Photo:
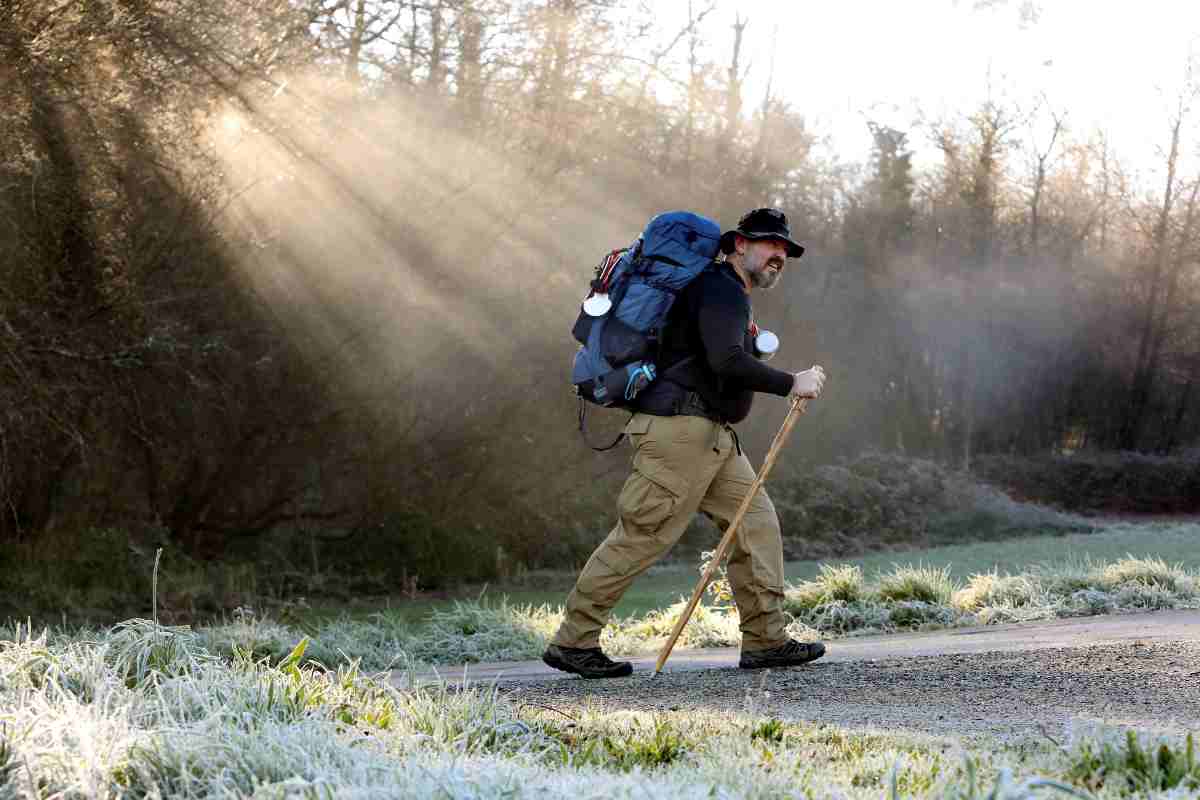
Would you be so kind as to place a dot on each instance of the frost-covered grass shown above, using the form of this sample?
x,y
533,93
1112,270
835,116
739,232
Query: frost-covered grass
x,y
141,710
918,583
839,601
466,632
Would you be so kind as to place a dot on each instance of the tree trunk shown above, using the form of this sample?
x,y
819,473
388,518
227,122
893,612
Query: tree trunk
x,y
65,213
689,123
358,32
733,115
1146,365
470,67
1172,434
437,48
1034,208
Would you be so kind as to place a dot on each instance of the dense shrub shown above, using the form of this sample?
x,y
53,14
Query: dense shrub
x,y
101,574
882,502
1116,482
106,573
411,546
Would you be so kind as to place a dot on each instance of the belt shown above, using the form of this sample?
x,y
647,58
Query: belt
x,y
693,405
688,403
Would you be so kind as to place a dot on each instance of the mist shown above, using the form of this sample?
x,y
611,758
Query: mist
x,y
338,257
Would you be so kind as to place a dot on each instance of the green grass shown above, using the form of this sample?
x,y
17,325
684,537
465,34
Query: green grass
x,y
666,584
839,602
1174,543
1136,764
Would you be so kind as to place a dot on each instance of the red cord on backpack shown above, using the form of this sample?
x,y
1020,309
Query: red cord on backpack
x,y
605,270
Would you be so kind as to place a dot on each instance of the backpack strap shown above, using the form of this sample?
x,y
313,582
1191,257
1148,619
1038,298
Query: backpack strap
x,y
583,433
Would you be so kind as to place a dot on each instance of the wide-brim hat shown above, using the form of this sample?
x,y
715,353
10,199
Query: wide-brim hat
x,y
763,223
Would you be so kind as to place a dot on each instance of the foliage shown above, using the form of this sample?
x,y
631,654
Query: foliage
x,y
923,597
233,318
1113,482
482,631
770,730
708,626
407,545
1133,763
922,584
840,602
237,314
644,745
104,573
835,583
881,501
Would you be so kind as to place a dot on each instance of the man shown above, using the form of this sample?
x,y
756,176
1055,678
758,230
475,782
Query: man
x,y
687,458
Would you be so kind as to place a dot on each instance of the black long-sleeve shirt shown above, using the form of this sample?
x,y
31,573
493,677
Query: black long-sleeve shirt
x,y
711,321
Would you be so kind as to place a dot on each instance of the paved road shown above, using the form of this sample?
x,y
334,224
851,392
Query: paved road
x,y
1146,628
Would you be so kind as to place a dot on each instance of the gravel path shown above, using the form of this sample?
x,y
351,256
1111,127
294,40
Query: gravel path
x,y
1145,684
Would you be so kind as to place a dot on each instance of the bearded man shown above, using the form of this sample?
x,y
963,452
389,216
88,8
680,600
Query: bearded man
x,y
687,458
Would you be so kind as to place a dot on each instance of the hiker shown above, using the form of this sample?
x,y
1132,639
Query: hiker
x,y
687,458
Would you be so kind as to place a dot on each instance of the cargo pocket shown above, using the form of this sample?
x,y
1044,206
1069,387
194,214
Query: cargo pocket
x,y
650,497
637,428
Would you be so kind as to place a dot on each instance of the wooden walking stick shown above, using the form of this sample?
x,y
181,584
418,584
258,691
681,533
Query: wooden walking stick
x,y
799,405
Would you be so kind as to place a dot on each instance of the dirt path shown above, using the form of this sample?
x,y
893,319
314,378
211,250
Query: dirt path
x,y
1017,680
1009,694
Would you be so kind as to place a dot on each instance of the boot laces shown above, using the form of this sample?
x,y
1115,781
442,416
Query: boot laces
x,y
595,658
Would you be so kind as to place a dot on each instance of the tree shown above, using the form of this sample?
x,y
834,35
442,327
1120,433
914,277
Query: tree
x,y
1041,157
1161,279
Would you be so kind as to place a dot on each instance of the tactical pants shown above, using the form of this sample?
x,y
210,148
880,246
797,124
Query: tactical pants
x,y
682,465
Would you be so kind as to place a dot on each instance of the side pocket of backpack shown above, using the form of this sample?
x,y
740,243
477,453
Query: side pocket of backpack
x,y
622,344
582,327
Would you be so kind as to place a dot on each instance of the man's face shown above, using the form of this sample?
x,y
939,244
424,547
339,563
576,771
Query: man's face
x,y
764,260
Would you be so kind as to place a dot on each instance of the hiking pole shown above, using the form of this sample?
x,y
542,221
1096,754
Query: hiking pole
x,y
799,405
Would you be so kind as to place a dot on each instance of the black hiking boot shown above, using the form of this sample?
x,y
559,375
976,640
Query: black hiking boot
x,y
789,654
590,662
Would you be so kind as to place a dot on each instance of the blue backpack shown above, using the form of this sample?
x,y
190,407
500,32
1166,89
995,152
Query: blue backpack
x,y
622,318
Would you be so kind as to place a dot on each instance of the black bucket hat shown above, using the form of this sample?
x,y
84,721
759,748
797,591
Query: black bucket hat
x,y
763,223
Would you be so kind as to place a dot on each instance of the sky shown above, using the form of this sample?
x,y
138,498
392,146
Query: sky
x,y
1110,64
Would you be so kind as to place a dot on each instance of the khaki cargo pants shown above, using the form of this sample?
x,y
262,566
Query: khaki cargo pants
x,y
682,465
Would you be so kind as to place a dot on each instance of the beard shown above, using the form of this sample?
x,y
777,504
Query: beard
x,y
766,276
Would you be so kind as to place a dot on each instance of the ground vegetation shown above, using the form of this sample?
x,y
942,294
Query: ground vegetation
x,y
1113,483
141,709
838,601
